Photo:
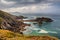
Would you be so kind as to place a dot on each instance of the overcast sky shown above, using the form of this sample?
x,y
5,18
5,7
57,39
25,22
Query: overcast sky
x,y
30,6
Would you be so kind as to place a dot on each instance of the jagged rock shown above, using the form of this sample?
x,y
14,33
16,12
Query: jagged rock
x,y
9,22
20,17
43,19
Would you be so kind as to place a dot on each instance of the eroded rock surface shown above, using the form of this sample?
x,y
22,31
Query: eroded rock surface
x,y
9,22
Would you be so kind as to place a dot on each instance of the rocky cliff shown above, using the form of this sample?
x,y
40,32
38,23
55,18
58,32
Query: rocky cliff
x,y
9,22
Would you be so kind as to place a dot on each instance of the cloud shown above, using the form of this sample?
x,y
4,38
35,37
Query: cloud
x,y
30,6
26,1
7,3
29,9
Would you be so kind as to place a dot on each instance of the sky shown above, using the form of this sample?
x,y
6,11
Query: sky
x,y
31,6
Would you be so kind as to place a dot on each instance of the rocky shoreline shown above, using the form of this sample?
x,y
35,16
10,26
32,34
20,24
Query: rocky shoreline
x,y
39,20
11,22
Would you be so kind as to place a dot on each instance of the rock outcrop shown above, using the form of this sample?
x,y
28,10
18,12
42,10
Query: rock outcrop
x,y
9,22
38,20
21,17
43,19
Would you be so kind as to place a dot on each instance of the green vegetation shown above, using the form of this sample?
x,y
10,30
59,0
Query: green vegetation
x,y
8,35
1,20
5,34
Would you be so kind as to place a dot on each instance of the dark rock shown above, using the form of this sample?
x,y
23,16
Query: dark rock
x,y
34,23
43,19
10,22
20,17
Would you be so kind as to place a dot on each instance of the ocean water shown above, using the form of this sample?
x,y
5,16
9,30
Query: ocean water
x,y
52,28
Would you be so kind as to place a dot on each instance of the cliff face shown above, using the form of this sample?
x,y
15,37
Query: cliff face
x,y
9,22
8,17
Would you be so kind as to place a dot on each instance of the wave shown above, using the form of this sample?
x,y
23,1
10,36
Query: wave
x,y
43,31
52,32
27,22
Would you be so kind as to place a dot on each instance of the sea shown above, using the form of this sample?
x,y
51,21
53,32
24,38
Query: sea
x,y
52,29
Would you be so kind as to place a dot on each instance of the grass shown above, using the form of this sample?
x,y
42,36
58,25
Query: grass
x,y
8,35
1,20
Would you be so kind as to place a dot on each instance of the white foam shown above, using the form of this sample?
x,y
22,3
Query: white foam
x,y
35,28
27,22
42,31
52,32
27,31
26,19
